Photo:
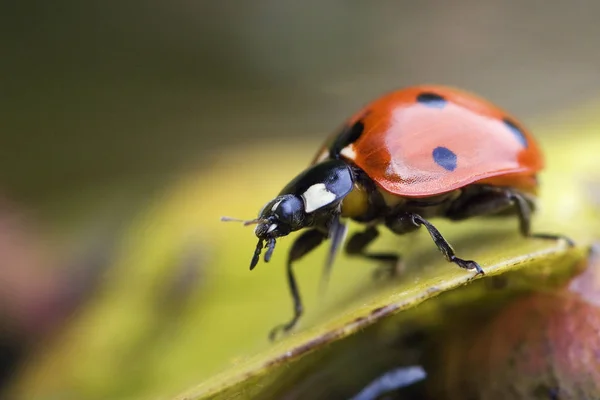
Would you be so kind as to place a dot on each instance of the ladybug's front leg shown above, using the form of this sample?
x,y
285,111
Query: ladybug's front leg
x,y
304,244
407,222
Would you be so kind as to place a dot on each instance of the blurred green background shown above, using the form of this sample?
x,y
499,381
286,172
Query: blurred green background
x,y
106,107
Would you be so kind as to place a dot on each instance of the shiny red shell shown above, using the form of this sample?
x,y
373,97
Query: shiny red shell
x,y
479,142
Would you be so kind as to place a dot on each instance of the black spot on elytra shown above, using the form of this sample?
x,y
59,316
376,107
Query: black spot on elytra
x,y
432,100
515,131
349,135
445,158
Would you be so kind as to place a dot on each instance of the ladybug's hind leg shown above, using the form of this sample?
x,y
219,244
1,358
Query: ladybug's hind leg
x,y
492,200
357,244
524,211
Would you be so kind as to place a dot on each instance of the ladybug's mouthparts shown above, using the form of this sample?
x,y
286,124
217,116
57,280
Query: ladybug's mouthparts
x,y
259,246
265,227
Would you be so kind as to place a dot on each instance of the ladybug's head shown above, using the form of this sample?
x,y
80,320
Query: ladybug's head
x,y
311,199
280,216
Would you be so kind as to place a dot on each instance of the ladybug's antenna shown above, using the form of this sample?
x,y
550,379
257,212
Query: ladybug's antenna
x,y
246,223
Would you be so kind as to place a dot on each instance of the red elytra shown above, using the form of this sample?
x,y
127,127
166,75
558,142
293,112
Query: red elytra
x,y
400,134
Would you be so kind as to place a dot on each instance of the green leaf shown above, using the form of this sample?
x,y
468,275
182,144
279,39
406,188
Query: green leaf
x,y
149,334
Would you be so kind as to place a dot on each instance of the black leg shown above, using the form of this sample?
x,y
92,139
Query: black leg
x,y
306,242
443,245
359,242
494,200
337,231
524,212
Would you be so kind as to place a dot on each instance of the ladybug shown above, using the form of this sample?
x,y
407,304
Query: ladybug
x,y
413,154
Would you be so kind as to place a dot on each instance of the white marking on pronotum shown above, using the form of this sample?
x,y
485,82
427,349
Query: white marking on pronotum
x,y
316,197
349,152
272,228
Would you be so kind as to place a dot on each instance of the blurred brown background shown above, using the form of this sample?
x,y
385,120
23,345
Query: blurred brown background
x,y
105,100
98,91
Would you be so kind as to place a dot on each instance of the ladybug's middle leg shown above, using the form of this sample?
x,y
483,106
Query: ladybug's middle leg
x,y
441,243
357,245
405,222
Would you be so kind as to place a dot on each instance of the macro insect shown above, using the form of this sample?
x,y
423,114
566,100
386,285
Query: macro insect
x,y
413,154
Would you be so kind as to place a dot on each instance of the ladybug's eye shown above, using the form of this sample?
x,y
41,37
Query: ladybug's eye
x,y
290,210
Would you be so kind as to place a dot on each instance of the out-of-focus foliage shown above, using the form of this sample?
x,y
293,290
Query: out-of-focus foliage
x,y
541,345
180,305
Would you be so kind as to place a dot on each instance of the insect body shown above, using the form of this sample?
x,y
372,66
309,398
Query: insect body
x,y
411,155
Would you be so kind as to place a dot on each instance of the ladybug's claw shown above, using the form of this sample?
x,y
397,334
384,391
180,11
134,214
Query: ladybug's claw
x,y
283,328
549,236
468,264
273,333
